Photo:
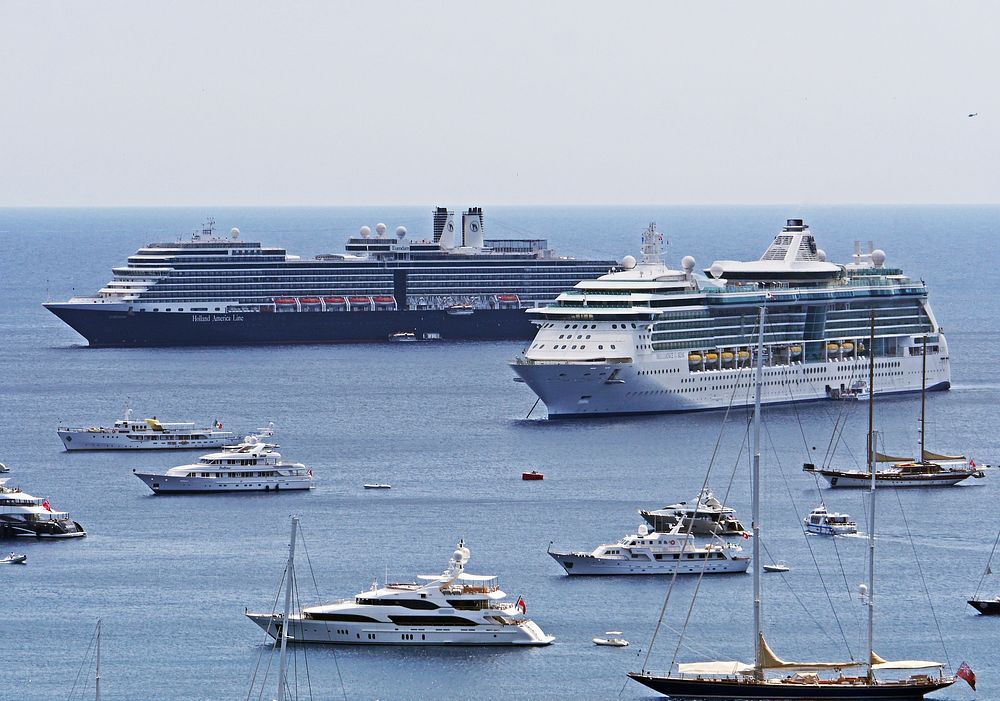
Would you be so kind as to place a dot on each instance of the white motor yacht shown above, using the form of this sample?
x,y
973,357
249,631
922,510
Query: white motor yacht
x,y
452,608
251,466
147,434
652,552
706,516
26,516
823,522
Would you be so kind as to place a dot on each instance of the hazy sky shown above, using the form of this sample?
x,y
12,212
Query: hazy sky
x,y
342,103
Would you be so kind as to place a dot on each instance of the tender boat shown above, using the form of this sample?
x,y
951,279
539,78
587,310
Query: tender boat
x,y
778,566
25,516
378,485
251,466
614,639
403,337
452,608
532,476
651,552
823,522
14,559
148,434
706,516
3,468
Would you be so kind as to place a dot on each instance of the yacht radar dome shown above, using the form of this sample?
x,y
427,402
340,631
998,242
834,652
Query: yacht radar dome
x,y
366,231
234,232
820,255
878,257
628,262
380,229
400,232
716,270
687,262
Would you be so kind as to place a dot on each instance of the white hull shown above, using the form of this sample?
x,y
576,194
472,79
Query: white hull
x,y
662,382
350,633
586,564
830,530
164,484
864,482
94,440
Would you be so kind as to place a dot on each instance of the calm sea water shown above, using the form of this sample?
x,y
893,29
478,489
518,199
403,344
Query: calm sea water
x,y
445,424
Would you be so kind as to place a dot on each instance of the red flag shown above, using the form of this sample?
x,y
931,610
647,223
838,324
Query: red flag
x,y
524,609
965,672
746,536
45,505
972,463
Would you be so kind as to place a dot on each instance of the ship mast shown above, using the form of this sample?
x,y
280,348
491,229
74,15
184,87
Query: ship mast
x,y
755,499
871,502
289,581
923,398
97,672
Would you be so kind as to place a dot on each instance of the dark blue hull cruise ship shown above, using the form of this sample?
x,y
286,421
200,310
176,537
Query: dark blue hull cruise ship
x,y
214,290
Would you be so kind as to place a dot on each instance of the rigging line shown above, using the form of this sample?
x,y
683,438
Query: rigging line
x,y
253,677
987,570
673,578
297,604
84,663
312,573
812,554
923,582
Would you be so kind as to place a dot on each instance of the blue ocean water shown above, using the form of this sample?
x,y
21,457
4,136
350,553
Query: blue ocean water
x,y
445,424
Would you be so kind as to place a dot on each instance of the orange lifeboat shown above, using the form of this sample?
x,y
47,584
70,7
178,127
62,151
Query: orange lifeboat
x,y
285,301
309,300
335,300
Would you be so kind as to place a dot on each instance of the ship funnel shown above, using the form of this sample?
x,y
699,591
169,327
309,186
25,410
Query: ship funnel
x,y
472,227
444,227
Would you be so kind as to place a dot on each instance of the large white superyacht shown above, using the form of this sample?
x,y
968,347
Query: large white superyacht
x,y
651,339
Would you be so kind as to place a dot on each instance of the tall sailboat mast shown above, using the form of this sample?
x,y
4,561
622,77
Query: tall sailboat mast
x,y
923,399
755,499
97,673
872,447
289,582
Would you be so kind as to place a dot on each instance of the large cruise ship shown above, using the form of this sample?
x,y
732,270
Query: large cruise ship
x,y
218,290
651,339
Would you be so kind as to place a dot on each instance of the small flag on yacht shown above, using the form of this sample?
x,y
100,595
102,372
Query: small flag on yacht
x,y
524,610
746,536
972,463
45,505
966,673
988,570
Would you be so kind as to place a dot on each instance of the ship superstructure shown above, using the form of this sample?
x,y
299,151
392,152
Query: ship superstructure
x,y
651,339
218,290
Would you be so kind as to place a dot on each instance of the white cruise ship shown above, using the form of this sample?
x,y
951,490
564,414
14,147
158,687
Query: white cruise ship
x,y
251,466
452,608
651,339
147,434
651,552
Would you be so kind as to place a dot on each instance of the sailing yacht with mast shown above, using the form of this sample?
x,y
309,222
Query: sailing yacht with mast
x,y
987,607
931,470
737,680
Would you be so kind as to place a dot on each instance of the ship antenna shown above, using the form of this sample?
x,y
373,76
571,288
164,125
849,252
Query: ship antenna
x,y
652,246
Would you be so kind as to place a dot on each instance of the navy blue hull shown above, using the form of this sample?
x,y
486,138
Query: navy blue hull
x,y
103,328
680,688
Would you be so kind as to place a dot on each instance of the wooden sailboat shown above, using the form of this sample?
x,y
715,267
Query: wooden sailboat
x,y
726,679
931,470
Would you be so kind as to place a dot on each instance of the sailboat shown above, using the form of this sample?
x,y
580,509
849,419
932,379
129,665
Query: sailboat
x,y
728,679
987,607
931,470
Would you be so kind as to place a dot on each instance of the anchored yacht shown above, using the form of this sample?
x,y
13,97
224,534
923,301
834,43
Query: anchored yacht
x,y
650,552
706,516
823,522
251,466
452,608
147,434
651,339
26,516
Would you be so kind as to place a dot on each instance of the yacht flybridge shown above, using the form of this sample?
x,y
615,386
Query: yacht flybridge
x,y
653,339
452,608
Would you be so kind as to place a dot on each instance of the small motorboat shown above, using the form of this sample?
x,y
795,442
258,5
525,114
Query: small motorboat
x,y
403,337
987,607
614,639
14,559
778,566
378,485
3,468
533,475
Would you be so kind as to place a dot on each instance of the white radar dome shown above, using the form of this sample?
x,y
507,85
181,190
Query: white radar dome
x,y
366,231
716,270
400,232
380,229
628,262
878,257
234,232
821,255
687,262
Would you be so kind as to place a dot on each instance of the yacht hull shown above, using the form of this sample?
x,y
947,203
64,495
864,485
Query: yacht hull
x,y
586,564
166,484
115,326
40,530
840,480
374,633
680,688
96,440
986,607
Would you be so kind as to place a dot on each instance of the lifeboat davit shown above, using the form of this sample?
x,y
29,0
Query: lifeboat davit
x,y
847,346
385,300
694,358
832,347
360,300
508,298
335,300
796,350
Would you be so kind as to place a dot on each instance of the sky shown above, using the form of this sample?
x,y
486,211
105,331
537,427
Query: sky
x,y
124,103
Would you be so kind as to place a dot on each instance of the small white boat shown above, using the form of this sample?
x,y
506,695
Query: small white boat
x,y
378,485
778,566
614,639
402,337
14,559
823,522
3,468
